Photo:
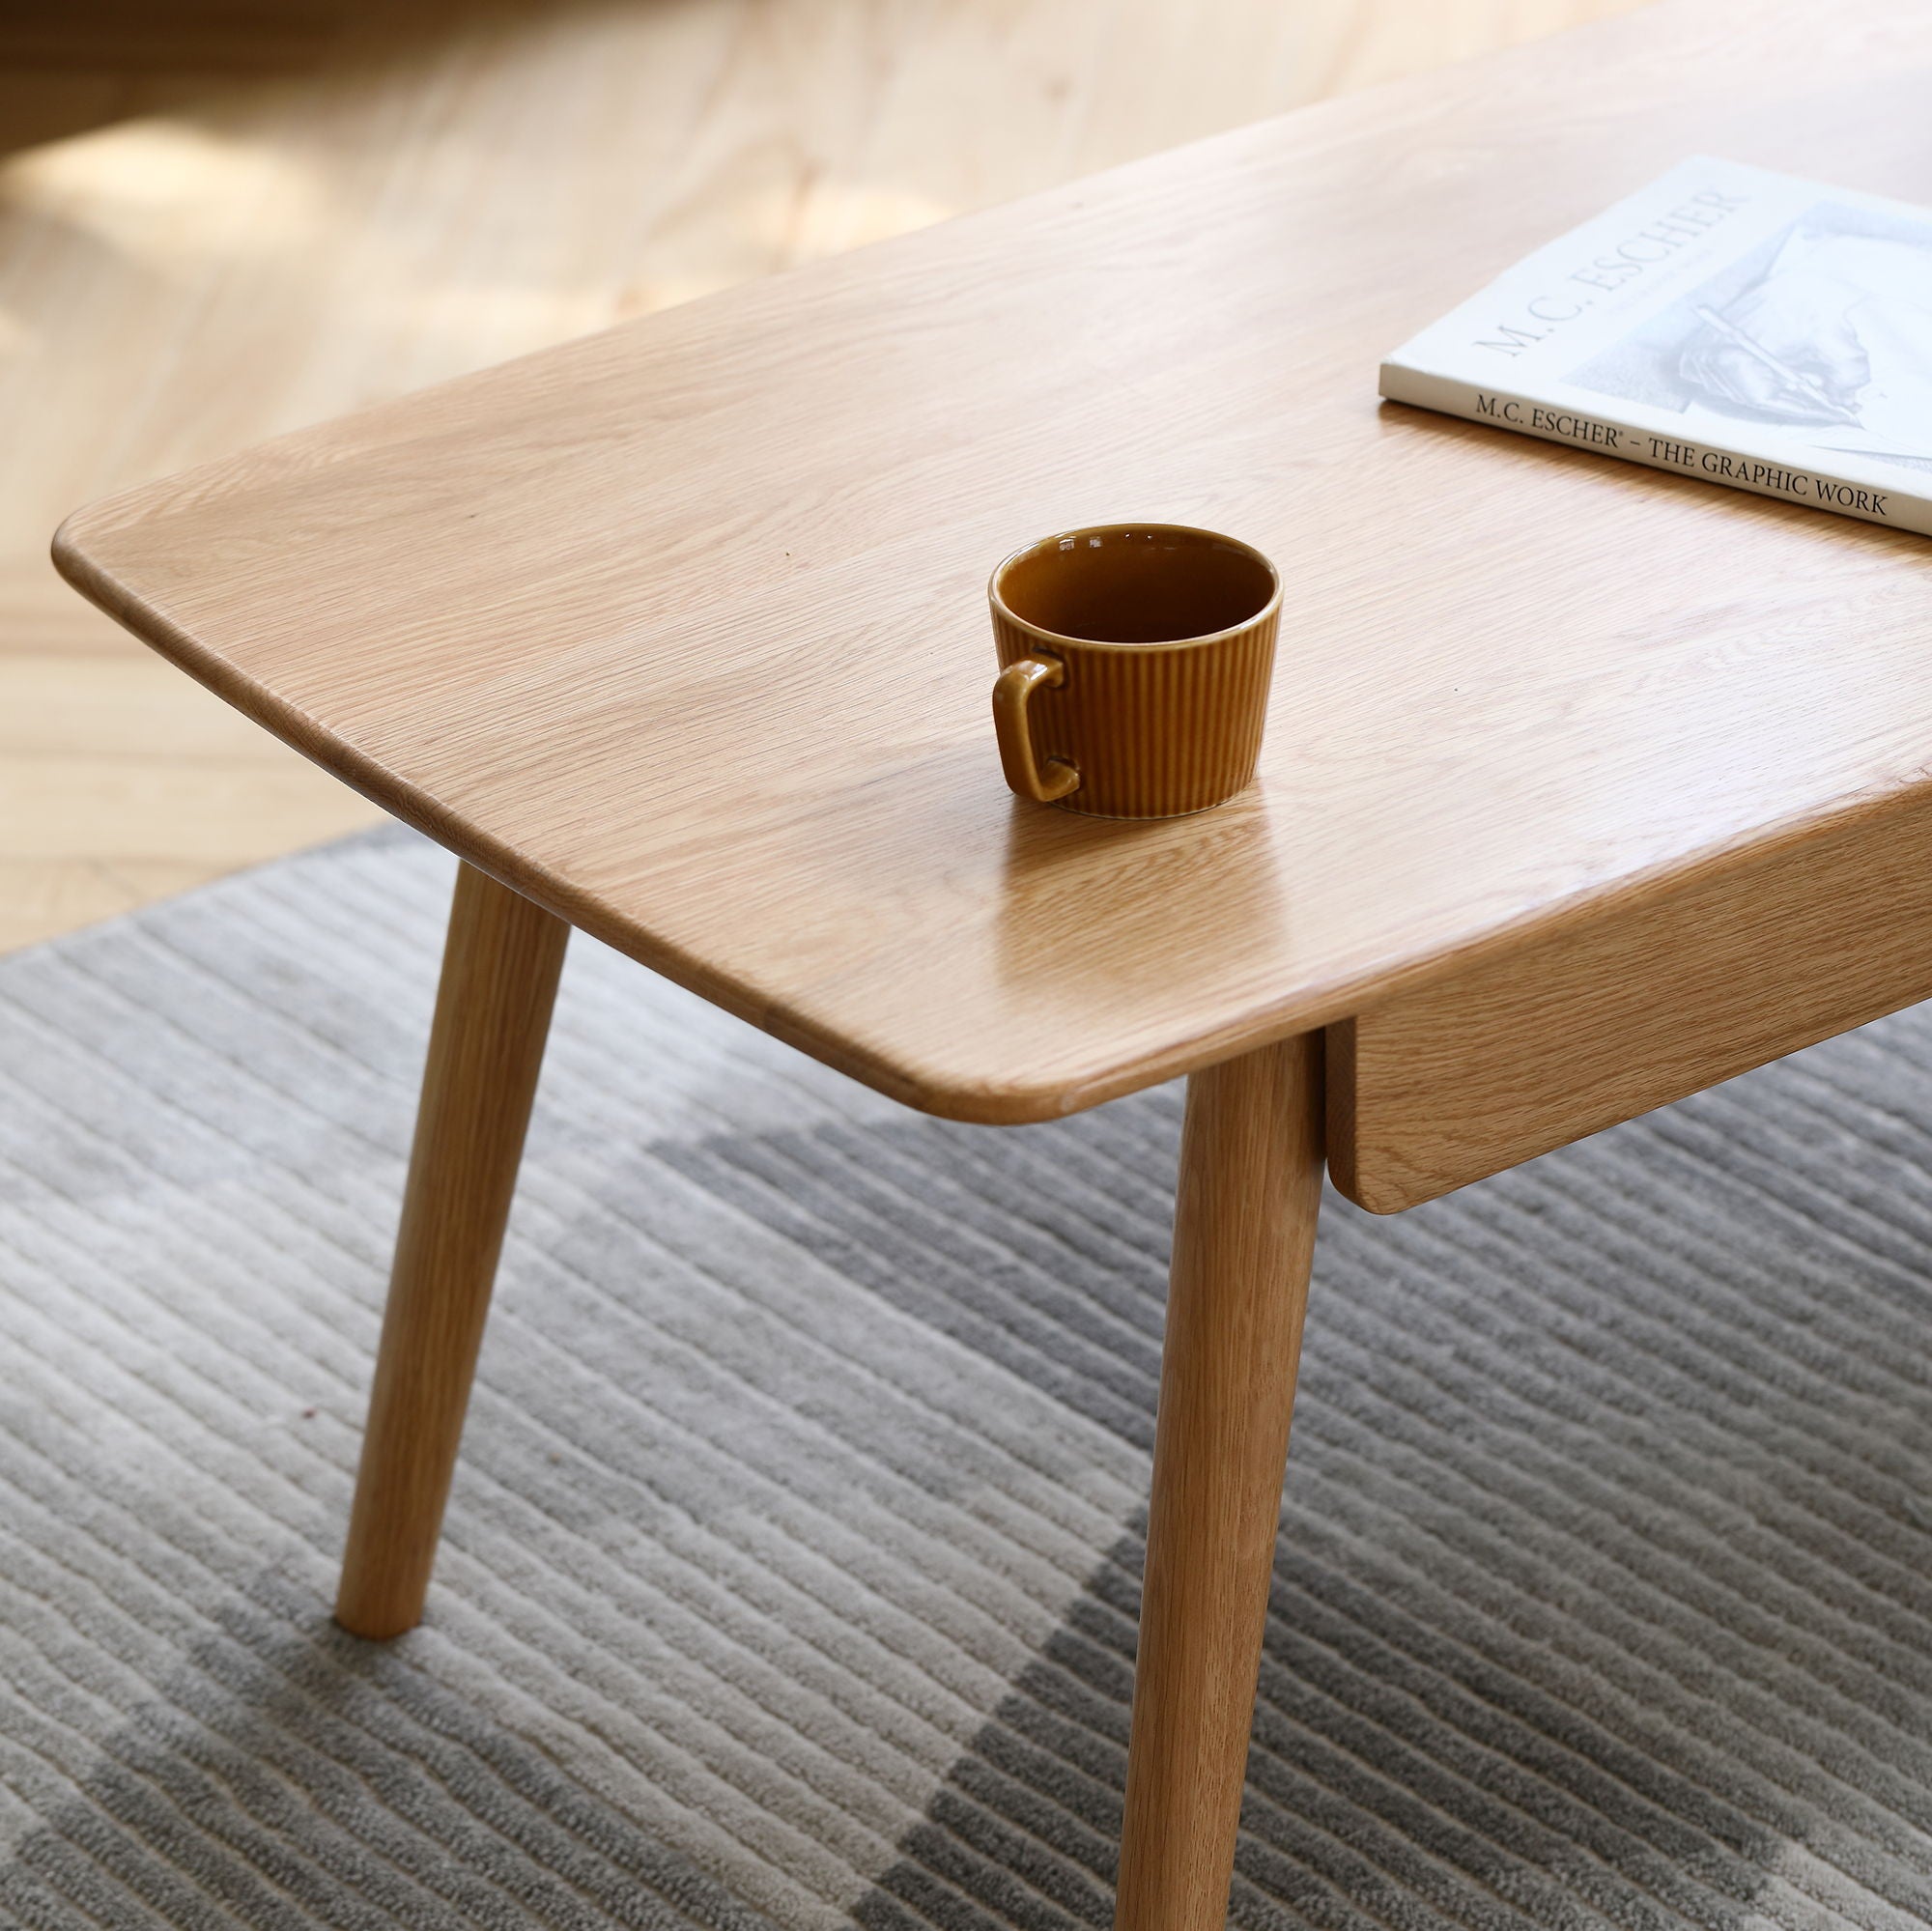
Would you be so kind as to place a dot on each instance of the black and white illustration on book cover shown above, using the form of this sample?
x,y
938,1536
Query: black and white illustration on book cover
x,y
1825,327
1725,322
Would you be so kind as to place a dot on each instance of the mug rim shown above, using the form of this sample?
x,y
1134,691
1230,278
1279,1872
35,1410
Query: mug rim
x,y
1046,635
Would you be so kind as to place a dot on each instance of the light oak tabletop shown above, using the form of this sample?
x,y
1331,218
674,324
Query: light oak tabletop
x,y
681,629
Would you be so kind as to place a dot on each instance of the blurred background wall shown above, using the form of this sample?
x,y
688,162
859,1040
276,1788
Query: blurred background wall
x,y
220,219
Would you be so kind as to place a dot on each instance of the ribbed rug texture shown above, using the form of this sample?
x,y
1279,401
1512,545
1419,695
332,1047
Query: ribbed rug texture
x,y
791,1572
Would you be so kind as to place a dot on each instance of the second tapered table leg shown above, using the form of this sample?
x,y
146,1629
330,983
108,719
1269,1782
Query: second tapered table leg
x,y
1244,1236
500,974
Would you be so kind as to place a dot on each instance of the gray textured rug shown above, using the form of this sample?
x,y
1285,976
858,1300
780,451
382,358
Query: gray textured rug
x,y
791,1569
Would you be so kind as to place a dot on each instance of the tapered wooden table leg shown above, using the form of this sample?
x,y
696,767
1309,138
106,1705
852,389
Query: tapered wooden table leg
x,y
500,972
1244,1236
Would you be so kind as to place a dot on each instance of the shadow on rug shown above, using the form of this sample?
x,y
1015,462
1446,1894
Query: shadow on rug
x,y
791,1571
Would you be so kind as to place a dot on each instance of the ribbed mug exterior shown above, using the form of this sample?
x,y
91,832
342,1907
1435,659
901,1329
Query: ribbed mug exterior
x,y
1154,729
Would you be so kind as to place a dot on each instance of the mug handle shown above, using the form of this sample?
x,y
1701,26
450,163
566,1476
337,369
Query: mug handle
x,y
1015,684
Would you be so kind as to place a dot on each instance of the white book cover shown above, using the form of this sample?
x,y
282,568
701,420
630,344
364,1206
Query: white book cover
x,y
1725,322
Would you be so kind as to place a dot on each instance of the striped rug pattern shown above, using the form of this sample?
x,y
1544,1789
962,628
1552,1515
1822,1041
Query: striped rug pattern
x,y
791,1571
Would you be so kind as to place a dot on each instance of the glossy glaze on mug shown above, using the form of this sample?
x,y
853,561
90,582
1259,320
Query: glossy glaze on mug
x,y
1155,724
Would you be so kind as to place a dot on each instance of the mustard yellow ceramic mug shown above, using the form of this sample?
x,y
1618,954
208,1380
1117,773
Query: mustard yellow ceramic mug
x,y
1135,672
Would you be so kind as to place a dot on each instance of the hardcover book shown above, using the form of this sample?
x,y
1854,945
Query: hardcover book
x,y
1727,322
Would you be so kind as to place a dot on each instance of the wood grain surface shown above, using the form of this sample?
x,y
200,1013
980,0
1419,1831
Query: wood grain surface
x,y
493,1008
220,220
680,629
1243,1236
1633,1007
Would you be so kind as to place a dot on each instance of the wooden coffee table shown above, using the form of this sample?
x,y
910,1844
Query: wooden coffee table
x,y
1585,786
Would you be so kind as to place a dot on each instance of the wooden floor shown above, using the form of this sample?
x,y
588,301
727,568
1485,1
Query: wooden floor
x,y
220,220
